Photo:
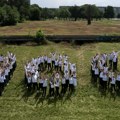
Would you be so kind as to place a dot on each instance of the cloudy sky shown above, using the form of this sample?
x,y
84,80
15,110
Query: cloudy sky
x,y
57,3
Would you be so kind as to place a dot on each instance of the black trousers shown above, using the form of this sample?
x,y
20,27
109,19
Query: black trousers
x,y
104,85
71,87
40,86
114,66
56,67
51,91
1,88
63,89
57,91
35,86
49,66
44,91
118,84
110,63
53,63
29,86
112,87
67,85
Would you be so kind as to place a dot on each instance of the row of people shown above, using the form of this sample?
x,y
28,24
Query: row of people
x,y
58,62
7,67
54,83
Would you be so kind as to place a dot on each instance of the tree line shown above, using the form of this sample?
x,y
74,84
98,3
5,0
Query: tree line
x,y
14,11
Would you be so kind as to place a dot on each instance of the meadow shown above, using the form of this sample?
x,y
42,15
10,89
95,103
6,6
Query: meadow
x,y
61,27
87,103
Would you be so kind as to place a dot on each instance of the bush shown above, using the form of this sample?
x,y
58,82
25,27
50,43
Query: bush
x,y
40,37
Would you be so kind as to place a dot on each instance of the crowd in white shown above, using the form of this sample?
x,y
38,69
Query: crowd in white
x,y
104,69
63,78
7,67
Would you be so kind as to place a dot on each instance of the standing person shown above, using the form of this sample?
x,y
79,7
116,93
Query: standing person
x,y
113,81
101,78
56,64
29,81
114,63
63,85
40,83
45,63
96,74
66,75
53,59
110,58
45,82
34,81
60,65
71,82
51,91
2,80
105,79
57,85
118,81
49,63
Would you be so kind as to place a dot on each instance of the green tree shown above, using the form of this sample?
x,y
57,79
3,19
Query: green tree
x,y
8,15
64,13
35,12
75,12
109,12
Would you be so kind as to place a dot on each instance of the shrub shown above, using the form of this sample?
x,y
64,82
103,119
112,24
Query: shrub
x,y
40,37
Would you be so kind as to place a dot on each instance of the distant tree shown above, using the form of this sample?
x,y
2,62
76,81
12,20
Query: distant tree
x,y
35,12
74,11
90,12
45,13
109,12
64,13
8,15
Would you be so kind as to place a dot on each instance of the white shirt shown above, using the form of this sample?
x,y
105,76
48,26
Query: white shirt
x,y
96,71
29,79
71,80
63,81
45,83
34,79
113,80
105,78
118,77
2,79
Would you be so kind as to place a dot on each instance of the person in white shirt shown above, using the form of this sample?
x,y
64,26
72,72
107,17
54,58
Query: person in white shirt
x,y
56,64
71,82
51,88
114,63
118,81
2,81
40,83
29,81
113,81
45,82
105,79
49,63
60,65
101,78
96,73
66,75
34,81
63,85
57,85
53,56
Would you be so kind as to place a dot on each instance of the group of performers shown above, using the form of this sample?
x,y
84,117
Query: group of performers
x,y
63,76
7,67
104,70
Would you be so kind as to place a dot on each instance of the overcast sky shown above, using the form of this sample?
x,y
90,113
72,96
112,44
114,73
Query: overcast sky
x,y
57,3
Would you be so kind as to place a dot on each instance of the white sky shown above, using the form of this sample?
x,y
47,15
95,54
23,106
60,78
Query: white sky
x,y
57,3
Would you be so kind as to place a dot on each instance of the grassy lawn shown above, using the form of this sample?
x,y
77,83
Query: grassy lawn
x,y
87,103
56,27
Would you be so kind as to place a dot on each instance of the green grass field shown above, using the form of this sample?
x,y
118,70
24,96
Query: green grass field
x,y
87,103
56,27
